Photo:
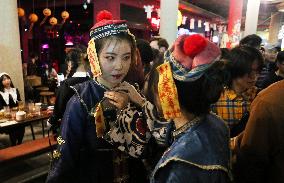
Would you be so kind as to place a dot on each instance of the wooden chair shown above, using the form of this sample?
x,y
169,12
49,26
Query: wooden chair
x,y
42,88
45,96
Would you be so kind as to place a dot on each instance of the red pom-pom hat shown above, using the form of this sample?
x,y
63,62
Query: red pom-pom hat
x,y
106,26
191,56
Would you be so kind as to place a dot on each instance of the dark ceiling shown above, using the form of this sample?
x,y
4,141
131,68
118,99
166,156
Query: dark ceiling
x,y
221,7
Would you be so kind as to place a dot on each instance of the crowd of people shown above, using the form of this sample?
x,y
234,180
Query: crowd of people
x,y
132,110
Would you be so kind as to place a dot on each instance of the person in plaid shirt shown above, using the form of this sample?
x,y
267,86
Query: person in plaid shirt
x,y
233,106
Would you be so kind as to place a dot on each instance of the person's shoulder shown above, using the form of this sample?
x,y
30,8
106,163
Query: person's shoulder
x,y
272,92
74,80
89,91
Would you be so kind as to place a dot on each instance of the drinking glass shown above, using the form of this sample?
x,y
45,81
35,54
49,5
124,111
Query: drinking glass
x,y
21,105
7,112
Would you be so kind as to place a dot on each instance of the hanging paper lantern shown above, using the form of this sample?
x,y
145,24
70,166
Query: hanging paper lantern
x,y
214,27
206,26
21,12
184,18
53,21
46,12
199,23
64,15
33,18
191,25
179,19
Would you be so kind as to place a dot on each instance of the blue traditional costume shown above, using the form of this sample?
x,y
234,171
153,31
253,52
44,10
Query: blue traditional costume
x,y
95,141
199,150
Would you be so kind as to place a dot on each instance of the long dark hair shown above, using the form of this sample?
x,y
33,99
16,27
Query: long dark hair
x,y
197,96
240,61
1,80
77,56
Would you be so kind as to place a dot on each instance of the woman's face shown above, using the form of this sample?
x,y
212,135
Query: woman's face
x,y
248,80
115,61
6,82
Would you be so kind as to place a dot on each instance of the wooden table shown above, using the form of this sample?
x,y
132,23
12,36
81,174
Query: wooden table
x,y
27,122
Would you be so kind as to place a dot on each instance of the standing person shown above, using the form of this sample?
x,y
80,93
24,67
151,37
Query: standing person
x,y
10,96
278,75
78,57
33,66
269,65
160,44
251,40
71,65
189,82
146,54
243,67
261,148
95,126
49,76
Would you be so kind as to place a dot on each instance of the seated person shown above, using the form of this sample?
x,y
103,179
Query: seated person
x,y
10,96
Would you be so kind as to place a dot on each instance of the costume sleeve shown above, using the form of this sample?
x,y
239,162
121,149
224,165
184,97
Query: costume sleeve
x,y
156,126
253,157
66,157
179,172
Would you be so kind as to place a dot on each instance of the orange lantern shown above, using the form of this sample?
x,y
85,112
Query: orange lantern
x,y
33,18
53,21
46,12
64,15
21,12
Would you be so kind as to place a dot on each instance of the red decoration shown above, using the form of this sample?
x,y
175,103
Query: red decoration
x,y
193,45
104,15
141,127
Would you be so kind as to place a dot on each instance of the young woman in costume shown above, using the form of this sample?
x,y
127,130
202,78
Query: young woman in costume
x,y
98,131
189,82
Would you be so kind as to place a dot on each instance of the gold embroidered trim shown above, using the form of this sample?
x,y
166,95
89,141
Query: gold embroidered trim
x,y
185,127
204,167
56,154
129,33
60,140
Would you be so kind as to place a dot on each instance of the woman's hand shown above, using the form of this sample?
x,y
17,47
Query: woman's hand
x,y
118,99
133,94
